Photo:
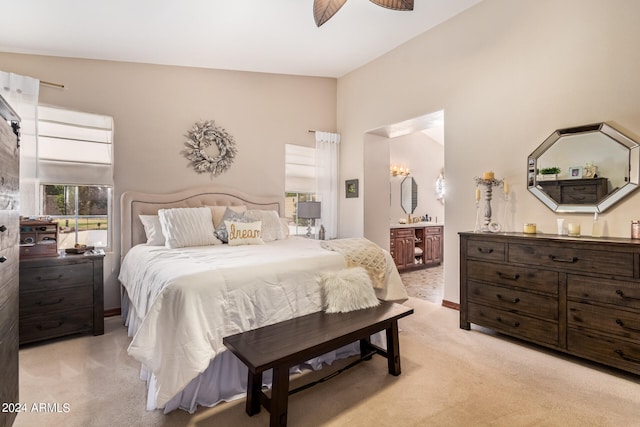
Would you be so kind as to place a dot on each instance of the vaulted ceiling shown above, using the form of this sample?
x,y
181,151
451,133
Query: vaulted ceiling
x,y
274,36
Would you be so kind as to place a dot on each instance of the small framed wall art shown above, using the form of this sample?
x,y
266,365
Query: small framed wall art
x,y
351,188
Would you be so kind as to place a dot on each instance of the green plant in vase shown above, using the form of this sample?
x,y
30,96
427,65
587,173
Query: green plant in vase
x,y
550,173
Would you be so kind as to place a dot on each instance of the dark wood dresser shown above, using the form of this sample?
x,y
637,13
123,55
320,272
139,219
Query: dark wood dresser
x,y
577,295
61,296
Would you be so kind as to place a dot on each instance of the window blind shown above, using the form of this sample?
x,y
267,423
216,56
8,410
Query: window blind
x,y
74,147
300,169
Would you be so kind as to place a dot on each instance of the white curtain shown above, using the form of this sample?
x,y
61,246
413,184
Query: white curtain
x,y
327,189
21,92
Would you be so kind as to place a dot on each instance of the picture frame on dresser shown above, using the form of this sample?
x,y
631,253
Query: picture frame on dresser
x,y
575,172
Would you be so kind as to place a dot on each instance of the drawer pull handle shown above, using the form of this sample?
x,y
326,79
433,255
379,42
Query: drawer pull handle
x,y
40,303
485,250
3,259
514,324
3,228
501,298
508,276
625,357
43,279
567,260
622,295
53,326
623,326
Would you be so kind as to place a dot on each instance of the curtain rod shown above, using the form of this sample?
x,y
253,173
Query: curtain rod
x,y
42,82
312,131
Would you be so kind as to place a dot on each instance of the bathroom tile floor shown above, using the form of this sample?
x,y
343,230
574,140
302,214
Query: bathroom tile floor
x,y
426,283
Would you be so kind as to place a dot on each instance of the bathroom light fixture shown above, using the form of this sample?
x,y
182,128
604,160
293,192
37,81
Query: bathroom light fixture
x,y
396,170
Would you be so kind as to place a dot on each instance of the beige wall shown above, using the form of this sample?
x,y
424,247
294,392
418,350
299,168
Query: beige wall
x,y
506,73
154,106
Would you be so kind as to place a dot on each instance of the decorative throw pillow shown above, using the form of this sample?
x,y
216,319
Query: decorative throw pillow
x,y
284,224
152,229
183,227
347,290
229,215
271,227
244,233
217,212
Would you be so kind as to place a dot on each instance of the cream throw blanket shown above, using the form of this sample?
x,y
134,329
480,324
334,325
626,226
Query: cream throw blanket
x,y
360,252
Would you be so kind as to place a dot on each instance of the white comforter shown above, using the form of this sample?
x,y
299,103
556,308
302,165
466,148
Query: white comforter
x,y
190,298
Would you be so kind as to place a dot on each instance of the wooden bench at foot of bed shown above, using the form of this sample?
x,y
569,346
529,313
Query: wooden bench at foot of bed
x,y
283,345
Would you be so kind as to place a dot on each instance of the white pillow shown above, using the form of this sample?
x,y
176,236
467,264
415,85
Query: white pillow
x,y
244,233
152,229
217,212
347,290
271,226
183,227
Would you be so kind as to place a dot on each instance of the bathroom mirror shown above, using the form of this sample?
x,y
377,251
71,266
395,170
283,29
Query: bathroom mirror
x,y
409,194
584,169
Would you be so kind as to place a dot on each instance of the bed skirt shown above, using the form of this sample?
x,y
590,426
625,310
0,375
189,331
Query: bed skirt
x,y
226,377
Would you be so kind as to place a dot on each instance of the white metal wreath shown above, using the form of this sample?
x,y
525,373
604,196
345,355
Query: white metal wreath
x,y
201,136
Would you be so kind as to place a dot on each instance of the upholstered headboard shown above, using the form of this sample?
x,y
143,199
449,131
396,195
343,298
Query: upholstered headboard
x,y
134,203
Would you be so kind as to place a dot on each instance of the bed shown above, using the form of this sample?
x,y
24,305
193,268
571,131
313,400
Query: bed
x,y
179,302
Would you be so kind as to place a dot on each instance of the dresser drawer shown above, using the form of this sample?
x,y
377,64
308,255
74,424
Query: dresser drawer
x,y
611,351
522,277
623,323
53,325
63,276
618,292
515,301
566,258
490,251
55,300
514,324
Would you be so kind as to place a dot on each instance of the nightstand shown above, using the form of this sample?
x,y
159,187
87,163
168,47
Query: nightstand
x,y
61,296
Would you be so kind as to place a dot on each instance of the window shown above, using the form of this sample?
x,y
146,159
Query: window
x,y
75,174
300,182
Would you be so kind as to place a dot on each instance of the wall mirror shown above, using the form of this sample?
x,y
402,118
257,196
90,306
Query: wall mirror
x,y
409,194
584,169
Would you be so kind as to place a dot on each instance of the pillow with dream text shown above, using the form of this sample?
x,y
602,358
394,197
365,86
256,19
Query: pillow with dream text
x,y
244,233
229,215
271,226
184,227
152,229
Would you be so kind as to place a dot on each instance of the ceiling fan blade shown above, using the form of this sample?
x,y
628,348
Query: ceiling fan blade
x,y
395,4
325,9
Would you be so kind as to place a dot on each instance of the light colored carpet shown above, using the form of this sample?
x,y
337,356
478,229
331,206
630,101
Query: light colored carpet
x,y
450,377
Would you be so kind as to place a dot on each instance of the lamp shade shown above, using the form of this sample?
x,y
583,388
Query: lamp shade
x,y
309,210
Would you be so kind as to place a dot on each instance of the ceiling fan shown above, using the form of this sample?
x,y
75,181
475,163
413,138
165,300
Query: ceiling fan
x,y
323,10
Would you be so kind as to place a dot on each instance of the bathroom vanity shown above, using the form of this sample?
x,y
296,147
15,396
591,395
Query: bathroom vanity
x,y
417,245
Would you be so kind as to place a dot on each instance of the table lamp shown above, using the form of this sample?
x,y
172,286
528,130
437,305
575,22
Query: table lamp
x,y
309,210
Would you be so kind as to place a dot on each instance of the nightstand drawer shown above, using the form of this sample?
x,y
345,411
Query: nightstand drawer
x,y
56,300
54,325
63,276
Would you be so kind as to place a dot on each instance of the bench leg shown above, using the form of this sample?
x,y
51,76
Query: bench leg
x,y
393,349
279,397
254,388
365,348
